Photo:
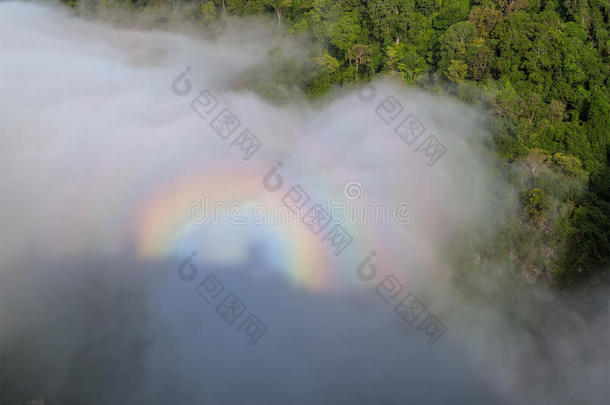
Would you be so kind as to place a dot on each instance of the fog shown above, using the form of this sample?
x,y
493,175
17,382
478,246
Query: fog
x,y
108,145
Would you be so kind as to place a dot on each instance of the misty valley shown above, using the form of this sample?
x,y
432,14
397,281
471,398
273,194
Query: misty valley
x,y
305,202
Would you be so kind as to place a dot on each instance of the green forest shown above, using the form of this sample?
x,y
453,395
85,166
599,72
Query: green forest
x,y
540,68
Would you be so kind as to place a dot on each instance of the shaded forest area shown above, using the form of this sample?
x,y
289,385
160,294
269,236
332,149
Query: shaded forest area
x,y
541,68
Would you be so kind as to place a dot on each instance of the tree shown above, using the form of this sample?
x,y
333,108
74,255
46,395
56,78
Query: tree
x,y
589,232
427,7
326,69
456,72
535,202
479,58
598,123
208,12
508,7
224,5
535,160
279,6
405,60
344,33
569,165
557,111
359,55
453,44
451,12
485,19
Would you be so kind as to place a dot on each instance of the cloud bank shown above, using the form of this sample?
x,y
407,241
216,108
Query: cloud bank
x,y
107,143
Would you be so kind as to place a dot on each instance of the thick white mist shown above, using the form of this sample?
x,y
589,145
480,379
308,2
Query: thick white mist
x,y
91,131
